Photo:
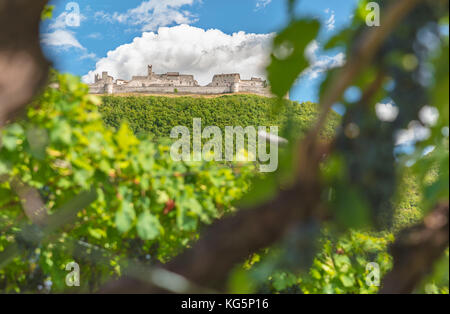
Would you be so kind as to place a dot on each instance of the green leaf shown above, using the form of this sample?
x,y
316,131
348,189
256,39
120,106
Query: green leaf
x,y
125,216
148,226
163,197
97,233
81,177
283,280
126,138
288,58
12,136
9,142
186,220
15,129
347,280
47,13
342,262
37,140
62,133
4,168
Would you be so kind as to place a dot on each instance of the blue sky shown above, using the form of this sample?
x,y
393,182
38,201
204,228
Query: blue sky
x,y
120,36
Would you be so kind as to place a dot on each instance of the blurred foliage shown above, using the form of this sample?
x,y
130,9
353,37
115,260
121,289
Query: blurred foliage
x,y
437,282
368,185
47,13
340,267
149,208
288,57
341,260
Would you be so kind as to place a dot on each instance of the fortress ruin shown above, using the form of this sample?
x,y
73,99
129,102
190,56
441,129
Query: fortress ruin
x,y
174,82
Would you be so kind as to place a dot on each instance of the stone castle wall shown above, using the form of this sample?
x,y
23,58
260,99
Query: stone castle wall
x,y
173,83
206,90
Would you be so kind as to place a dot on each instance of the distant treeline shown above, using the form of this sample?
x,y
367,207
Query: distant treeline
x,y
158,115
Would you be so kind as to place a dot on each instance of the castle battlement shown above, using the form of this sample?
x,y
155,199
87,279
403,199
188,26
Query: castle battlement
x,y
174,83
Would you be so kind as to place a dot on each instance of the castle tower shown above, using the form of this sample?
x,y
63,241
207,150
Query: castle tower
x,y
150,70
109,88
235,87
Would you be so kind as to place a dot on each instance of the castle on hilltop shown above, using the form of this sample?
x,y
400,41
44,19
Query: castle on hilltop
x,y
174,82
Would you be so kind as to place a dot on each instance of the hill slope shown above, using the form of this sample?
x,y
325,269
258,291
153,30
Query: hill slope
x,y
158,115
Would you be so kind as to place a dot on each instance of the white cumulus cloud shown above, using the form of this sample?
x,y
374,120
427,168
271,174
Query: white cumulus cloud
x,y
260,4
152,14
62,20
189,50
321,63
331,22
61,38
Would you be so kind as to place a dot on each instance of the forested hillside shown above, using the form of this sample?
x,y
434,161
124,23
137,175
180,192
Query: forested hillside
x,y
158,115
